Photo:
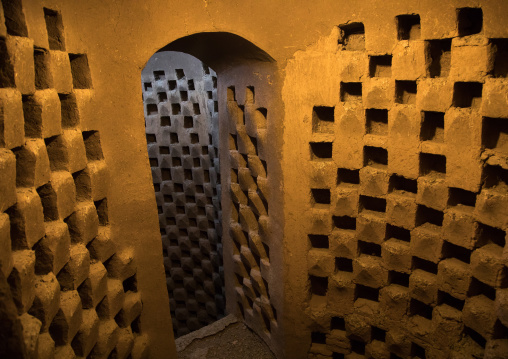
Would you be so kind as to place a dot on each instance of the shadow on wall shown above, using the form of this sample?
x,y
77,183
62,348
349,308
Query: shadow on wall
x,y
220,50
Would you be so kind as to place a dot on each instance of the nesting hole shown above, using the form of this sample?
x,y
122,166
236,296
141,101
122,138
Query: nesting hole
x,y
184,96
380,66
154,162
343,264
344,222
408,27
102,211
350,91
417,351
489,235
357,346
474,336
495,134
130,284
81,77
14,18
69,110
323,119
362,291
445,298
166,174
249,94
321,150
405,92
176,161
231,94
467,94
398,278
501,57
378,334
451,250
93,146
431,164
176,108
318,285
418,308
495,177
318,338
402,185
151,109
373,204
370,249
318,241
159,75
470,21
352,36
432,127
165,121
180,74
428,215
320,196
375,157
348,176
6,66
188,122
460,197
399,233
43,77
162,96
440,55
337,323
424,265
377,121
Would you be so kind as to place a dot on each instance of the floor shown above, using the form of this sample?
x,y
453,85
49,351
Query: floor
x,y
227,338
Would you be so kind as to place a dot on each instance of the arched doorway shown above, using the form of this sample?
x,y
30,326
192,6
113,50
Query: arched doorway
x,y
248,142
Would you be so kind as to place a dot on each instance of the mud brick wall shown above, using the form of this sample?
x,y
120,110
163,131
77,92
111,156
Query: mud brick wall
x,y
405,191
182,131
75,291
385,157
250,133
249,211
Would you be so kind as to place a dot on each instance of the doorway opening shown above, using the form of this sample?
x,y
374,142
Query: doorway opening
x,y
181,118
237,110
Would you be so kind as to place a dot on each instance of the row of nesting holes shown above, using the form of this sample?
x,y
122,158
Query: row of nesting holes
x,y
16,26
357,344
261,114
181,87
470,22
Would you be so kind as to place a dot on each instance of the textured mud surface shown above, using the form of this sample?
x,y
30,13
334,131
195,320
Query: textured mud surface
x,y
228,339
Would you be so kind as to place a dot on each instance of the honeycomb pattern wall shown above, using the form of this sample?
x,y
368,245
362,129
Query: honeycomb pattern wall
x,y
408,174
75,292
181,113
249,211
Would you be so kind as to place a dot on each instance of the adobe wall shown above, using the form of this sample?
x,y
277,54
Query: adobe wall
x,y
386,228
251,162
396,210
